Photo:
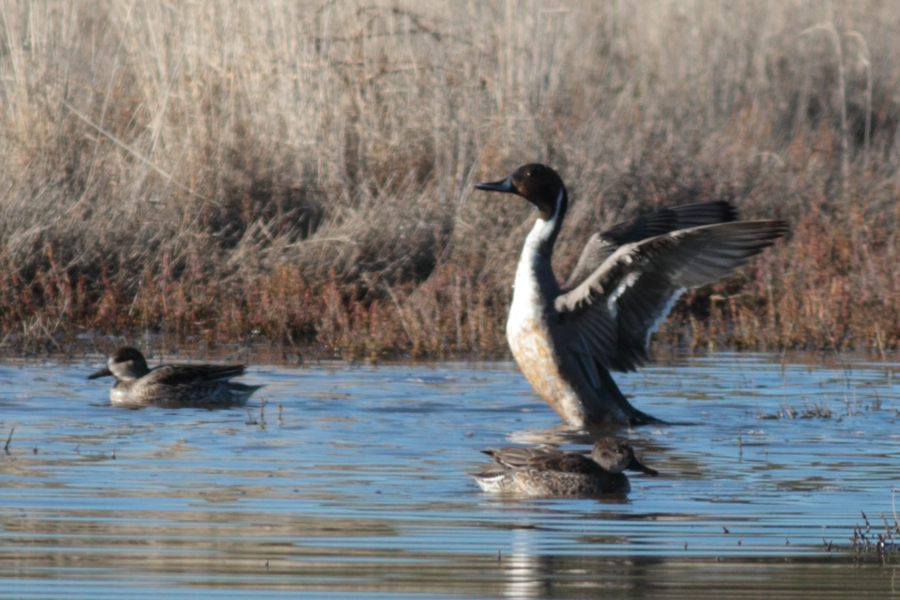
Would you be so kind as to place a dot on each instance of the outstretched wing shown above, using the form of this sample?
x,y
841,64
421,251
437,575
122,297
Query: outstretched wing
x,y
609,317
601,245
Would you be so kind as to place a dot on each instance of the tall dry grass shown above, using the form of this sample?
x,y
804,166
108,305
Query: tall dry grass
x,y
301,172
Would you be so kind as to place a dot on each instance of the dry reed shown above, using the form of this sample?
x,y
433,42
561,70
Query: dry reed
x,y
301,172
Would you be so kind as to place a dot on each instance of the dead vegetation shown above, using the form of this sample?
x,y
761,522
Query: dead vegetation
x,y
301,173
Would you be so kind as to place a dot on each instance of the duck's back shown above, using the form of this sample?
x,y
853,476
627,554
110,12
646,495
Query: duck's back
x,y
543,483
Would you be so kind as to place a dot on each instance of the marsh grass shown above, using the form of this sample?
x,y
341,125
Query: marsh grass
x,y
301,173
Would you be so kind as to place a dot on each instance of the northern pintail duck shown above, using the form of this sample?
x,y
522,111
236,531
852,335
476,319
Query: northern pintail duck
x,y
172,386
551,472
566,339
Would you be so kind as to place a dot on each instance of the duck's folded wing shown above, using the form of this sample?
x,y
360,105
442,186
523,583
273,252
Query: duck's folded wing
x,y
518,457
192,374
609,317
601,245
541,458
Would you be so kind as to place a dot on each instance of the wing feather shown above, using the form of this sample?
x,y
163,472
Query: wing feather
x,y
543,459
612,313
191,374
601,246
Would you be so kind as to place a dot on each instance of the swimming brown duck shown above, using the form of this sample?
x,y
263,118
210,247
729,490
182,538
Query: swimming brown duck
x,y
172,386
550,472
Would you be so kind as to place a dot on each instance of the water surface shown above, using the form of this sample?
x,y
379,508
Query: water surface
x,y
352,482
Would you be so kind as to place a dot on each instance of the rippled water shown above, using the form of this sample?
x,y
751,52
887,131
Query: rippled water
x,y
353,483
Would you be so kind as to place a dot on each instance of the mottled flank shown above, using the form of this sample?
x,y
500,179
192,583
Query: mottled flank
x,y
567,339
530,343
172,386
549,472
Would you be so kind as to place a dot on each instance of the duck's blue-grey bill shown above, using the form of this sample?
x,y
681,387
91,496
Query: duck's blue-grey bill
x,y
104,372
496,186
636,465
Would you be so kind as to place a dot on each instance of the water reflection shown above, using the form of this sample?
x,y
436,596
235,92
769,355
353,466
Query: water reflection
x,y
355,482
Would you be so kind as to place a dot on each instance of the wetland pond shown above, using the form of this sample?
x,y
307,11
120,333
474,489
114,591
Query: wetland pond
x,y
353,482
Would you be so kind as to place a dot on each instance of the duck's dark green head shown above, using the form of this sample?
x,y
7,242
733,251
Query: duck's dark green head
x,y
125,363
537,183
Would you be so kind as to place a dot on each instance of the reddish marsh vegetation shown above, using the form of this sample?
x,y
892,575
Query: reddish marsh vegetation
x,y
302,172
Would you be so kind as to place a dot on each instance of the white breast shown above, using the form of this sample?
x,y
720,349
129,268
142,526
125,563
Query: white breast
x,y
527,331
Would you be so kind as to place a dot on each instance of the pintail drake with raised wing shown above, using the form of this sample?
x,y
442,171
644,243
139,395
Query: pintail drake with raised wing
x,y
567,338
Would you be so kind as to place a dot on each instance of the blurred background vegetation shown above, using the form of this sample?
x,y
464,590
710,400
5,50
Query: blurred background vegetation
x,y
300,173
